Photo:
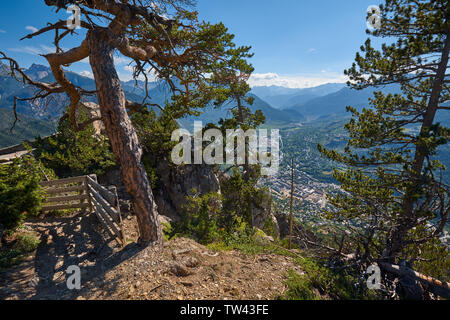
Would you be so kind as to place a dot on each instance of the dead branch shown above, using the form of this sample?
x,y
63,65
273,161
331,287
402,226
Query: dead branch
x,y
433,285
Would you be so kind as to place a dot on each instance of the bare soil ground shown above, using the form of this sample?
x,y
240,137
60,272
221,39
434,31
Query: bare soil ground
x,y
182,269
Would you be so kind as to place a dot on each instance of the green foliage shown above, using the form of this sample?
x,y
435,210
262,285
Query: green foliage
x,y
317,282
155,133
20,193
26,242
435,260
299,288
205,220
23,245
215,218
247,240
70,153
202,49
388,169
167,231
270,228
199,218
241,196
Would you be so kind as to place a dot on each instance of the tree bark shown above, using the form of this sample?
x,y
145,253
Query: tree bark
x,y
122,136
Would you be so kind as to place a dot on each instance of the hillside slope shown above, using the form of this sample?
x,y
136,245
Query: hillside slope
x,y
182,269
334,104
27,128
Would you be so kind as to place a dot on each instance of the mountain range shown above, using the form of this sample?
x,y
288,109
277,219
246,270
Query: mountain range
x,y
134,90
285,98
281,106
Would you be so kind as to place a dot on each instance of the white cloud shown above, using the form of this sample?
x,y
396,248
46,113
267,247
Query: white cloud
x,y
128,68
295,81
32,29
121,60
48,49
2,31
128,74
311,50
87,74
124,76
42,49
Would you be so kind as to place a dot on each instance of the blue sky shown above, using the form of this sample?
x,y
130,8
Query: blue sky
x,y
297,43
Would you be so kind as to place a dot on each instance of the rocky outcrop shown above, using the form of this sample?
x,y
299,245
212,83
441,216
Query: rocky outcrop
x,y
176,182
283,224
263,216
299,232
92,110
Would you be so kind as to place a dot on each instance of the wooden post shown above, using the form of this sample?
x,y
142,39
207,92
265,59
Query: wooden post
x,y
85,191
113,189
291,216
93,177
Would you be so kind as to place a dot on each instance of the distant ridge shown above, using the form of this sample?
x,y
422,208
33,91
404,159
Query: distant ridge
x,y
37,119
335,103
285,98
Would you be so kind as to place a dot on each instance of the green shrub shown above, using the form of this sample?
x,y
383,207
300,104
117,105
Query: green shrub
x,y
299,287
71,153
270,228
436,262
199,218
155,135
24,244
27,242
318,282
155,132
20,193
167,231
241,196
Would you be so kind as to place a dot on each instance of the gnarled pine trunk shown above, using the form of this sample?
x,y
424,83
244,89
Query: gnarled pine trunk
x,y
122,136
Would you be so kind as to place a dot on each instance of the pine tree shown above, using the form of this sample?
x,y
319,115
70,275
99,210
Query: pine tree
x,y
388,171
241,189
163,39
242,116
74,153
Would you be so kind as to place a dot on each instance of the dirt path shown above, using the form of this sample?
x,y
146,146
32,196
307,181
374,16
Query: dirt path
x,y
72,240
183,269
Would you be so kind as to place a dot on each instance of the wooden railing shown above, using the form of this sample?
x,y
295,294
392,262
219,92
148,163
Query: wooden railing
x,y
105,205
70,193
86,193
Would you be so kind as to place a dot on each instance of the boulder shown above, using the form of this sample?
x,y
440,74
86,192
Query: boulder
x,y
179,270
176,182
298,230
262,236
263,216
92,110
